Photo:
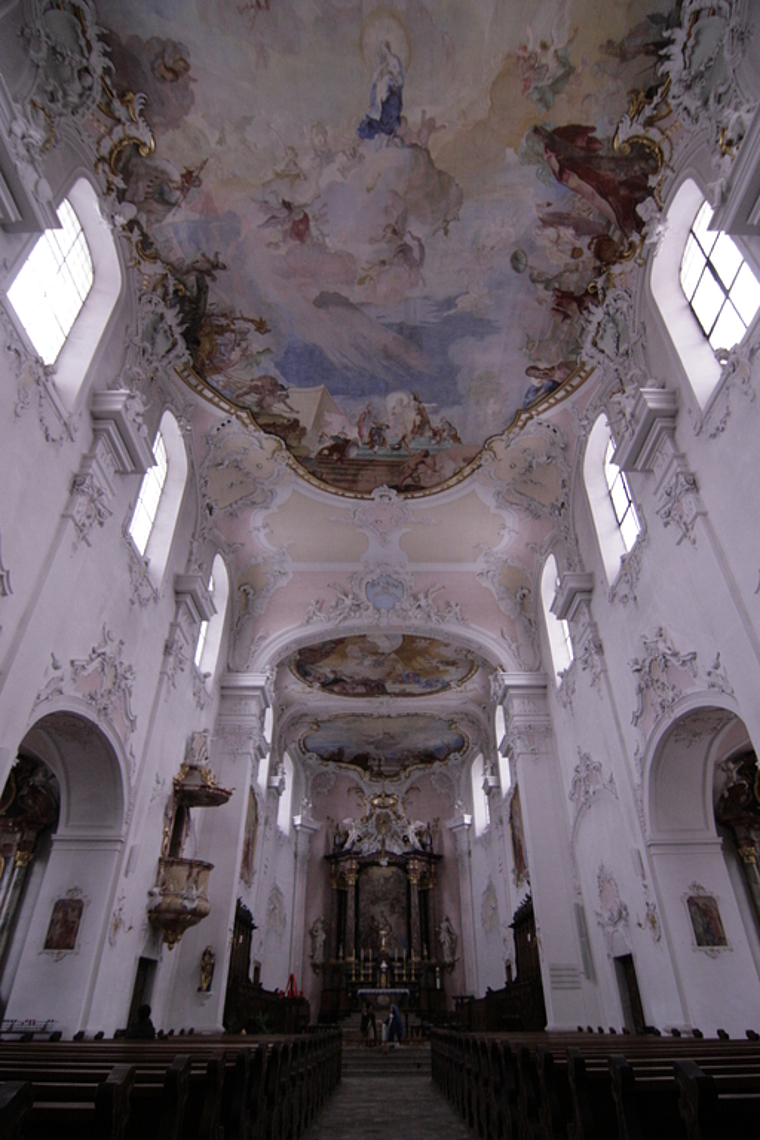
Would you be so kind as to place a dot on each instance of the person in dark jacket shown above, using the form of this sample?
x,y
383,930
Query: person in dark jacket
x,y
143,1028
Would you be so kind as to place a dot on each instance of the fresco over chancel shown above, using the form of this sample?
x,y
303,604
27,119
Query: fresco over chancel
x,y
381,247
385,746
384,664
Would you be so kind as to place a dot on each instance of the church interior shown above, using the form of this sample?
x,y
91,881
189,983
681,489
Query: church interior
x,y
380,620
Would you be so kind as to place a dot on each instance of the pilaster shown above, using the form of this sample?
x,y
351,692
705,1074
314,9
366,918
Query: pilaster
x,y
304,828
530,741
238,743
460,827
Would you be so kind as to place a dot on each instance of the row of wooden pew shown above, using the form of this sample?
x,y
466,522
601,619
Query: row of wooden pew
x,y
565,1086
142,1090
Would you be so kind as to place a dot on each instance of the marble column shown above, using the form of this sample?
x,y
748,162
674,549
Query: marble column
x,y
352,872
748,855
414,870
16,882
334,943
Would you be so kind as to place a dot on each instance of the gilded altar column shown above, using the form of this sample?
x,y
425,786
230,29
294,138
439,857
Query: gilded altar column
x,y
352,871
414,870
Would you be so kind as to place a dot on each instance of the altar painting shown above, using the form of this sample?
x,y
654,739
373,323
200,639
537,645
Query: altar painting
x,y
384,746
384,664
379,229
706,921
383,911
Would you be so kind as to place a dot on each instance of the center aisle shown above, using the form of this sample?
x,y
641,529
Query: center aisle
x,y
383,1095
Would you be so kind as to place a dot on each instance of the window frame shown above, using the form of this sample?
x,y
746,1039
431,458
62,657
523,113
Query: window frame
x,y
73,366
159,543
701,367
206,658
609,537
557,629
615,481
705,242
52,286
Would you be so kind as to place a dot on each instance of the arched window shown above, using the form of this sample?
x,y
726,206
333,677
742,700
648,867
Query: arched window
x,y
620,497
211,631
151,527
52,286
500,728
719,285
557,630
612,508
286,796
151,490
480,811
706,292
66,289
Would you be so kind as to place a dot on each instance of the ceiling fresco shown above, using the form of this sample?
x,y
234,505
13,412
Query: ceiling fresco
x,y
385,746
380,227
384,664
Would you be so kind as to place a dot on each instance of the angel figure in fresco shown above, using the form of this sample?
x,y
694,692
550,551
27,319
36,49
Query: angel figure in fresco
x,y
615,183
384,115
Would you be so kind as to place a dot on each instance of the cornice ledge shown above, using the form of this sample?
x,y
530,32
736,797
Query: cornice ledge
x,y
574,590
654,419
191,589
115,416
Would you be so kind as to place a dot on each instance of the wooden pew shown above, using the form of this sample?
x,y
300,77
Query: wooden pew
x,y
219,1083
582,1086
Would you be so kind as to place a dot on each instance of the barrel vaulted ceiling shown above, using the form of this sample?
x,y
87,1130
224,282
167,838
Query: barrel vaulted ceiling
x,y
378,236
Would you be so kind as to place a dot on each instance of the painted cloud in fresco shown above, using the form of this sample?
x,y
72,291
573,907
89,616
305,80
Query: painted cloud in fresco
x,y
381,228
384,664
384,746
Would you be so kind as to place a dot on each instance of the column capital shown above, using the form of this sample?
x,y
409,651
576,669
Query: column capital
x,y
304,828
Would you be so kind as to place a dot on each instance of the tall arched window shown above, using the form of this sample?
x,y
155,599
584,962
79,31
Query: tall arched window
x,y
500,728
612,508
211,631
149,498
66,289
719,285
53,283
620,496
154,518
480,811
705,291
286,796
557,630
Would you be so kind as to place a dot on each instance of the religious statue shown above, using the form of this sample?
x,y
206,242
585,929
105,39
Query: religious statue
x,y
208,962
385,930
448,940
318,936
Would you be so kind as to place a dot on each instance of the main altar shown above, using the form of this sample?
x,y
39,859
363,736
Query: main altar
x,y
383,940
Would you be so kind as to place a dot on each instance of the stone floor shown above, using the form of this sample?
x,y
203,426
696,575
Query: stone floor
x,y
387,1095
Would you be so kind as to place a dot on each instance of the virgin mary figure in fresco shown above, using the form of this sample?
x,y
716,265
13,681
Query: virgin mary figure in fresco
x,y
384,116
